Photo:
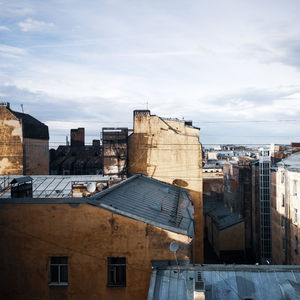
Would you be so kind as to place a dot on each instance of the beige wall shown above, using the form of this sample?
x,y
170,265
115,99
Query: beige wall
x,y
11,147
36,157
31,233
169,151
285,183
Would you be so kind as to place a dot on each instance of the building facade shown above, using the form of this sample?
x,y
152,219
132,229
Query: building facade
x,y
101,247
285,192
24,146
169,150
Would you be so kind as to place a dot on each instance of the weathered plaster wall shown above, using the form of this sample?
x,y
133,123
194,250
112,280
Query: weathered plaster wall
x,y
11,149
232,238
31,233
170,151
36,157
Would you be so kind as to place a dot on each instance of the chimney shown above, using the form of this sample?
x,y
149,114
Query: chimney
x,y
7,104
96,143
188,123
77,137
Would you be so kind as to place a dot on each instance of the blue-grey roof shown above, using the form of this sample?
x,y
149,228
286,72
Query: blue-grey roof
x,y
292,162
150,201
222,216
234,282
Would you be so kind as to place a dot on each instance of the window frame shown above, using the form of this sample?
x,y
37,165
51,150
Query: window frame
x,y
116,269
59,265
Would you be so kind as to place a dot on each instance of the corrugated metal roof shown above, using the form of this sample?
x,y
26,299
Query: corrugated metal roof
x,y
151,201
222,216
232,282
44,186
292,162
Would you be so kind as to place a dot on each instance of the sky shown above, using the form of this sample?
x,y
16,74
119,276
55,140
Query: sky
x,y
233,67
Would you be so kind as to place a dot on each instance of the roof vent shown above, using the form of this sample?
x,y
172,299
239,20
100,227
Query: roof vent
x,y
199,283
156,206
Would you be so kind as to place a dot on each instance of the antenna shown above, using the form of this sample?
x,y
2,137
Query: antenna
x,y
22,108
147,105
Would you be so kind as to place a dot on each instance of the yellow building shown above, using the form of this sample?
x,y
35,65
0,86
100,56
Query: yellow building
x,y
24,146
100,247
169,150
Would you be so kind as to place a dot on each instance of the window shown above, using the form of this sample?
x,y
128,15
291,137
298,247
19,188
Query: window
x,y
282,177
295,188
116,271
283,244
282,201
283,221
59,270
296,216
296,244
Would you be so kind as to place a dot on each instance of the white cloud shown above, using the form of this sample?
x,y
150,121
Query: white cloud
x,y
11,52
34,25
4,28
22,11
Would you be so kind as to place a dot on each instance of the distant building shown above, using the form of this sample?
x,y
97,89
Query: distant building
x,y
24,146
99,247
77,158
169,150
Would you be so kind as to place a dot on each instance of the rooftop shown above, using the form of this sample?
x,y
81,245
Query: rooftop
x,y
150,201
234,282
223,217
291,163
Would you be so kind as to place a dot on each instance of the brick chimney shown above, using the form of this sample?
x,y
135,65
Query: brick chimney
x,y
77,137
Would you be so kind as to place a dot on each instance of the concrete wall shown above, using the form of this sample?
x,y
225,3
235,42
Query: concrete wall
x,y
36,157
11,143
170,151
31,233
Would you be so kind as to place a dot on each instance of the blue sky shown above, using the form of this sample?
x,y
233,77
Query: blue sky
x,y
230,66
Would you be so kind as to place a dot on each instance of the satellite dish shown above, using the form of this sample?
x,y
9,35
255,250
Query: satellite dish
x,y
174,246
91,187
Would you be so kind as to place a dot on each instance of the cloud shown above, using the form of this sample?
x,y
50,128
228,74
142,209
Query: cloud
x,y
22,11
34,25
4,28
11,52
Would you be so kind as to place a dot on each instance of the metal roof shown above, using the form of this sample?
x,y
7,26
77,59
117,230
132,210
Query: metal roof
x,y
234,282
292,162
44,186
222,216
150,201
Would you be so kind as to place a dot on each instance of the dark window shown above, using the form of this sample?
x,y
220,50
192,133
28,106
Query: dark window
x,y
59,270
116,271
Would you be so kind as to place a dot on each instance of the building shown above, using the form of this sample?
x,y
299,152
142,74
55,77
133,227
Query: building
x,y
98,247
114,151
77,158
169,150
225,232
24,147
285,195
234,282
